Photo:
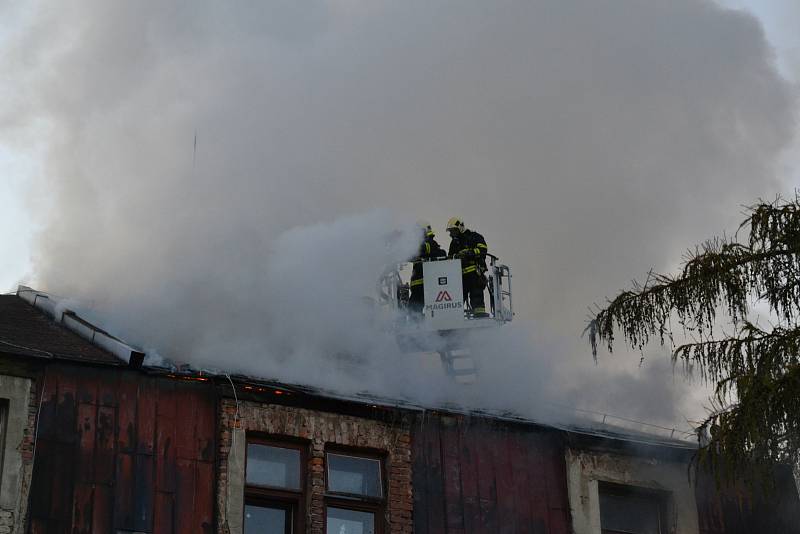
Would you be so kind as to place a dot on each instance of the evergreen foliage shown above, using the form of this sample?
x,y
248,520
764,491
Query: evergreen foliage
x,y
756,369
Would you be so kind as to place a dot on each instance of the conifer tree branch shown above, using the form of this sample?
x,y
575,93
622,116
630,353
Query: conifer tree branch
x,y
756,371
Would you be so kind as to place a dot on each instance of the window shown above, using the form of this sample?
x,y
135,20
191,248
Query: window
x,y
274,481
629,510
268,519
354,494
276,467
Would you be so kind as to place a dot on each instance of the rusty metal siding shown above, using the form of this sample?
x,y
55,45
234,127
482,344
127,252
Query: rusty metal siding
x,y
120,450
739,510
473,477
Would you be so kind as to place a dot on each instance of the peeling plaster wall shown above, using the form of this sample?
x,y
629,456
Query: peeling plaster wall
x,y
17,454
585,469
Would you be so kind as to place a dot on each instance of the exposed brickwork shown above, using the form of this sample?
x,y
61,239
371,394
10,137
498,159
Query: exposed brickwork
x,y
321,429
27,446
12,520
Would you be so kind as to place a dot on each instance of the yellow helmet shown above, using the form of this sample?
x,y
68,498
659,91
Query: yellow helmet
x,y
425,226
455,223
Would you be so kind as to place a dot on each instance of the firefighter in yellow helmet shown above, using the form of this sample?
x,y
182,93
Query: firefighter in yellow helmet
x,y
429,250
471,248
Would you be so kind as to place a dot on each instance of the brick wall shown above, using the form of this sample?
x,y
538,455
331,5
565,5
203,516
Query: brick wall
x,y
320,429
18,459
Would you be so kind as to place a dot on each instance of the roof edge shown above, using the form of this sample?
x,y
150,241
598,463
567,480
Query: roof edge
x,y
56,309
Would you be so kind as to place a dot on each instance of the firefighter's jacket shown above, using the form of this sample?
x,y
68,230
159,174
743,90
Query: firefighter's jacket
x,y
429,250
471,248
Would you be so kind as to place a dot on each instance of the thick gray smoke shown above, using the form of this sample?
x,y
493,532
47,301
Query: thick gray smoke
x,y
587,140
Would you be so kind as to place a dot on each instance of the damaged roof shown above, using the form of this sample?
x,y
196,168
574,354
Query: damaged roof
x,y
27,331
28,328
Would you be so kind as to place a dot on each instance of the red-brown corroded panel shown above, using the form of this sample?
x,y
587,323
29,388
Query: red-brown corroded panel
x,y
106,454
454,511
66,410
505,484
495,479
62,481
184,497
469,479
206,418
487,483
87,428
559,522
167,397
165,455
204,498
143,493
451,477
419,480
43,469
488,523
434,479
47,410
107,387
104,460
87,386
126,413
166,431
186,445
123,492
146,416
102,509
82,509
537,494
163,520
521,503
38,526
555,469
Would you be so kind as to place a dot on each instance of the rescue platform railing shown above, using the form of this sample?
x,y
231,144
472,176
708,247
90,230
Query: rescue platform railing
x,y
501,300
393,290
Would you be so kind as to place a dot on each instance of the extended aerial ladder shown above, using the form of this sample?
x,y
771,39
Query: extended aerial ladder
x,y
446,318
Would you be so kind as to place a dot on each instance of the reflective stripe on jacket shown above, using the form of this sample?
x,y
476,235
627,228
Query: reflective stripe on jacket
x,y
429,249
474,245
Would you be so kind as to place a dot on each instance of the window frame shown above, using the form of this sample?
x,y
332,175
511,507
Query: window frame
x,y
371,457
291,499
662,499
289,506
358,502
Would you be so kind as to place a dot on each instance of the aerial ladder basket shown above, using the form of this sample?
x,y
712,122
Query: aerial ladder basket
x,y
445,316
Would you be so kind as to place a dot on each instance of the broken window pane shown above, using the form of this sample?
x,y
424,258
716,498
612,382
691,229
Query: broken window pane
x,y
630,512
341,521
350,474
273,466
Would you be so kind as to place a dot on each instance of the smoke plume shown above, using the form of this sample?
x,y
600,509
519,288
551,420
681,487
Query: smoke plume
x,y
220,178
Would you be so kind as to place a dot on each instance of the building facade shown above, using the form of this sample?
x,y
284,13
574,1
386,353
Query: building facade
x,y
95,444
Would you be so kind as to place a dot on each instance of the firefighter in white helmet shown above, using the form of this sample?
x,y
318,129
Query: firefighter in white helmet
x,y
471,248
429,250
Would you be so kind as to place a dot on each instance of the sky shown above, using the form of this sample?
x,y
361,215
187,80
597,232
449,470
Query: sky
x,y
587,141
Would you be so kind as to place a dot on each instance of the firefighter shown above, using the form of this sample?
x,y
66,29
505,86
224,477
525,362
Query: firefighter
x,y
429,250
471,248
